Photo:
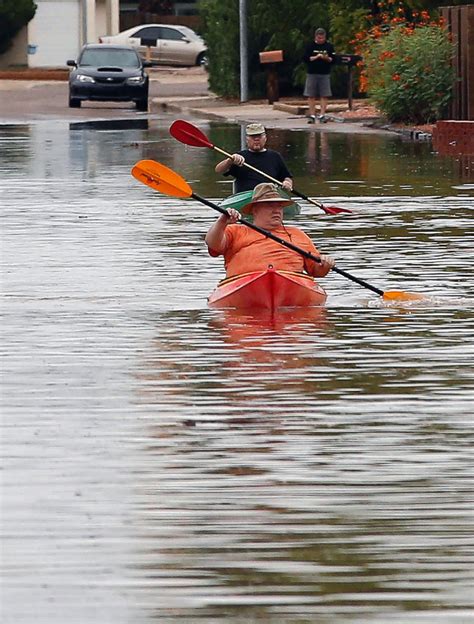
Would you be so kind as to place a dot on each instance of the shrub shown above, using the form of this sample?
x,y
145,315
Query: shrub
x,y
221,32
407,66
14,14
285,25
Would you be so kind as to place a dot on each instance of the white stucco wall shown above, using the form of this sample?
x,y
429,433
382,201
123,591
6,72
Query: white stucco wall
x,y
54,34
58,31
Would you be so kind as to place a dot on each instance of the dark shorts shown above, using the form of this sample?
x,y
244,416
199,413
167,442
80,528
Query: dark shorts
x,y
317,85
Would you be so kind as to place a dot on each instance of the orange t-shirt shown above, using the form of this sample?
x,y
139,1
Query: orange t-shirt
x,y
246,250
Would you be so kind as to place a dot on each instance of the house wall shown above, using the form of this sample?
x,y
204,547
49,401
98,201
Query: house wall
x,y
54,33
100,21
107,18
58,31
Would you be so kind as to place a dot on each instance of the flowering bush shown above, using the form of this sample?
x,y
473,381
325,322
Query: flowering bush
x,y
407,66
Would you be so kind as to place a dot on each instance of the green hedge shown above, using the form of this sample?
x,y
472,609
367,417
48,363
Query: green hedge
x,y
14,14
275,25
409,73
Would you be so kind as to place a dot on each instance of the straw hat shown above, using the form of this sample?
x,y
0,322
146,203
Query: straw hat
x,y
264,194
254,129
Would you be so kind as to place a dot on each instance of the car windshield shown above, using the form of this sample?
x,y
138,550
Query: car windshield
x,y
109,58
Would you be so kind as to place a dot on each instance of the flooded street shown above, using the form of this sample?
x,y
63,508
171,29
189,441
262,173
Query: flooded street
x,y
164,462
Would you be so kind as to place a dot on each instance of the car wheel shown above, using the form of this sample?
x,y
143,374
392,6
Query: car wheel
x,y
142,105
74,103
202,59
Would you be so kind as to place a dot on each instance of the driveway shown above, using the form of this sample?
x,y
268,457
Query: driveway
x,y
27,100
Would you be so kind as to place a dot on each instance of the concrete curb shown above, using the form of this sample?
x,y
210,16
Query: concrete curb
x,y
189,110
270,116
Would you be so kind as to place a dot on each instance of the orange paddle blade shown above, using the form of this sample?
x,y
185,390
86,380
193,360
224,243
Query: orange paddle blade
x,y
400,295
161,178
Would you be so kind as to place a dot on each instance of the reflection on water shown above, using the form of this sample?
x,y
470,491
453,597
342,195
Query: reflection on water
x,y
110,124
164,462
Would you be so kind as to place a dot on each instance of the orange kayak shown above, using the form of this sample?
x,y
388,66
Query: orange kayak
x,y
268,290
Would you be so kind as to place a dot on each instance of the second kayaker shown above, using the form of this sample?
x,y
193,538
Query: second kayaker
x,y
259,156
246,250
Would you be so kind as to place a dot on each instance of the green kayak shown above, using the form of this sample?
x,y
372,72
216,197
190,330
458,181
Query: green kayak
x,y
239,200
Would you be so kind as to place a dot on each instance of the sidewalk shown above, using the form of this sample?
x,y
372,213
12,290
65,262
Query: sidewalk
x,y
288,113
285,114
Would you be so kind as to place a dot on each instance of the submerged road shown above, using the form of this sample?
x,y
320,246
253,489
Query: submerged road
x,y
163,462
29,100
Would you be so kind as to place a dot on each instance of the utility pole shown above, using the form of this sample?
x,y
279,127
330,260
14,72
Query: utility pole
x,y
244,69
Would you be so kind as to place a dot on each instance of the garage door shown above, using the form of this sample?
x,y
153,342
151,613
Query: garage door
x,y
54,33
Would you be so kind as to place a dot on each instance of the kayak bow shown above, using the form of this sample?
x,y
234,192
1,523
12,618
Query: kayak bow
x,y
269,290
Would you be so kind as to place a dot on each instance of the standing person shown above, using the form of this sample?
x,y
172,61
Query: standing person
x,y
258,156
246,250
319,57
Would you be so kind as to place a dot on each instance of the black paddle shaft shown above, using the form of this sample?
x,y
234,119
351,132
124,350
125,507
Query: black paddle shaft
x,y
285,243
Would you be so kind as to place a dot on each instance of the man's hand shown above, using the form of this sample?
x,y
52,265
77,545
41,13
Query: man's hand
x,y
327,263
287,184
233,216
237,159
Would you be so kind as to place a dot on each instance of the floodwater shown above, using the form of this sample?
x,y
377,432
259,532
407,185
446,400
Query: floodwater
x,y
164,462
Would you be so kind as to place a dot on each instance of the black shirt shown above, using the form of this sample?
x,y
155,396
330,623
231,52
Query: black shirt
x,y
268,161
319,66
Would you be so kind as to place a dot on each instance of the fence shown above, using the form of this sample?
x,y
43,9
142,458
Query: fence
x,y
460,22
129,19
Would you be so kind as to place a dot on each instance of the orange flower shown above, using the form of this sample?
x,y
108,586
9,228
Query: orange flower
x,y
396,77
363,83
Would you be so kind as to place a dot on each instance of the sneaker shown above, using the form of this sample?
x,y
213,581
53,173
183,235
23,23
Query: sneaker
x,y
311,119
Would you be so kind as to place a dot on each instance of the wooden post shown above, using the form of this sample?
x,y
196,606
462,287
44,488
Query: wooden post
x,y
273,91
271,59
460,23
349,87
350,60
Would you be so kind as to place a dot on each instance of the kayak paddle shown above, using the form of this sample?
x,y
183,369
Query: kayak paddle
x,y
168,182
190,135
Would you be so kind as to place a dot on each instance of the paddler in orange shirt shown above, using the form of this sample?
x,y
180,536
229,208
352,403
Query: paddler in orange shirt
x,y
246,250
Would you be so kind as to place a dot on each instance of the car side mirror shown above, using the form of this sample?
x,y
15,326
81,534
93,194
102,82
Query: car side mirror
x,y
186,40
71,63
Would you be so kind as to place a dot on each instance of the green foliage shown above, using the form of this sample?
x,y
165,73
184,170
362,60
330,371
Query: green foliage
x,y
14,14
221,33
284,25
347,17
409,73
272,25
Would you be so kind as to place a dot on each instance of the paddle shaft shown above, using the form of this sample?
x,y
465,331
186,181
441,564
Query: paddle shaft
x,y
285,243
269,177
